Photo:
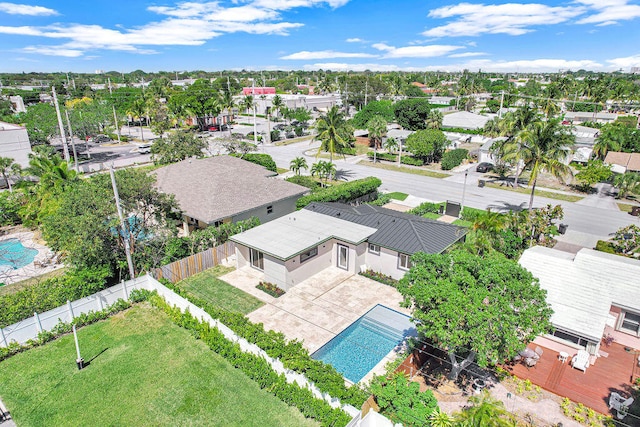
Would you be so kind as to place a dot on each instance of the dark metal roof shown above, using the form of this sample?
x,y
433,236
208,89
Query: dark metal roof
x,y
398,231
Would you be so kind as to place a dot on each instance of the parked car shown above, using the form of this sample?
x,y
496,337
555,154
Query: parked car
x,y
213,128
100,139
226,127
144,148
484,167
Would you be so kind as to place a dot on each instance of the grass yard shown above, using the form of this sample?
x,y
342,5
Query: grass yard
x,y
396,195
23,284
404,169
209,287
541,193
624,207
282,170
144,370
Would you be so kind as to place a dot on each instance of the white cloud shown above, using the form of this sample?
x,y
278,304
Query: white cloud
x,y
354,40
625,62
53,51
509,18
428,51
337,66
326,54
608,12
467,54
531,65
24,9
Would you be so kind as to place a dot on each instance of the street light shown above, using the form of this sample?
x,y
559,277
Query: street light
x,y
464,190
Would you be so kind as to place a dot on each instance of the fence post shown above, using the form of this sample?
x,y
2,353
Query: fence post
x,y
100,303
37,321
70,310
4,339
124,290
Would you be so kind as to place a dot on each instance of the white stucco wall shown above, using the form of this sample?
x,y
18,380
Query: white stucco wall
x,y
386,263
14,143
280,208
297,272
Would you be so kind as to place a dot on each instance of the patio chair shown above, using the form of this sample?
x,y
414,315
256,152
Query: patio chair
x,y
539,352
581,360
620,404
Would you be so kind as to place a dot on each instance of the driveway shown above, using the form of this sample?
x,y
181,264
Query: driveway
x,y
319,308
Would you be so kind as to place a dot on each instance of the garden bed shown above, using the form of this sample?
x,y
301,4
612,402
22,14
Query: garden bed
x,y
271,289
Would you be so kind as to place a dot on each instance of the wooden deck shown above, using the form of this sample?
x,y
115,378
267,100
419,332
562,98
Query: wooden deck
x,y
615,372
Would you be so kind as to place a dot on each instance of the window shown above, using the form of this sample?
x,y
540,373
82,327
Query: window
x,y
630,322
217,224
404,261
269,209
374,249
309,254
566,336
256,258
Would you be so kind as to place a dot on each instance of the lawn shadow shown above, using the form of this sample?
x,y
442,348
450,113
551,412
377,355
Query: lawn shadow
x,y
88,362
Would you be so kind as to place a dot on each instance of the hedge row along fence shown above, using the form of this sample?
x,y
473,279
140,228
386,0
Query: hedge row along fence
x,y
342,193
291,353
256,368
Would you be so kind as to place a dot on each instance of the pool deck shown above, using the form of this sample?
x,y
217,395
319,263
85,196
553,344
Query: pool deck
x,y
10,275
319,308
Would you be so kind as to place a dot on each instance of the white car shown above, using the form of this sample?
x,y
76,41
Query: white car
x,y
144,148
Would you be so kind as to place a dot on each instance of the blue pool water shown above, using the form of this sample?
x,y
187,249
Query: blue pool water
x,y
360,347
13,254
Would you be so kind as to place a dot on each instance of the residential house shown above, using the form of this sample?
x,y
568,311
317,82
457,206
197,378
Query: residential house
x,y
577,117
593,294
623,162
14,143
354,238
464,120
223,189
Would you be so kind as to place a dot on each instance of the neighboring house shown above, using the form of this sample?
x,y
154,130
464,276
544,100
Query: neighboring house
x,y
623,162
577,117
464,120
486,154
266,90
223,189
17,103
585,135
14,143
301,244
591,293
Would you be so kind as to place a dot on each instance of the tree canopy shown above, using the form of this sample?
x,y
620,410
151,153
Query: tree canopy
x,y
382,108
485,307
412,113
427,144
178,146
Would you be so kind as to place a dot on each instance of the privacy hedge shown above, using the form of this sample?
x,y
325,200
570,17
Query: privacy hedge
x,y
256,368
342,193
453,158
305,181
426,207
260,159
51,293
405,159
291,353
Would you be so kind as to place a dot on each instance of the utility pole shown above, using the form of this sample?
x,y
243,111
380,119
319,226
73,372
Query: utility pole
x,y
73,144
109,83
123,225
366,91
501,103
464,190
255,129
115,121
60,125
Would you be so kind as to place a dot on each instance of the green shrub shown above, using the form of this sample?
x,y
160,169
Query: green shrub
x,y
305,181
426,207
382,200
114,136
604,246
379,277
405,159
467,131
10,204
51,293
453,158
471,214
342,193
260,159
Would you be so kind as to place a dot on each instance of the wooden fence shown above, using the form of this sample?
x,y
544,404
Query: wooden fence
x,y
194,264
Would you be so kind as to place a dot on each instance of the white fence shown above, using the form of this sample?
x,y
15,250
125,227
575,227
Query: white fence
x,y
29,328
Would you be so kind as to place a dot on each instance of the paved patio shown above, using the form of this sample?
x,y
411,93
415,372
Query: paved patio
x,y
318,308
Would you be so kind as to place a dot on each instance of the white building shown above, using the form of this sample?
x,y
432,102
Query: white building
x,y
14,143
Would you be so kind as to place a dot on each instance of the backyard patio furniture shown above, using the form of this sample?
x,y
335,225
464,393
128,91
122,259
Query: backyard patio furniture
x,y
620,404
581,360
563,356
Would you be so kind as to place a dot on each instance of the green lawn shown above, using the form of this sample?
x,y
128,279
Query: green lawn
x,y
625,207
405,169
144,370
541,193
23,284
209,287
396,195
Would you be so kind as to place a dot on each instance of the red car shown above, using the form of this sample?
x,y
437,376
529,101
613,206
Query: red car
x,y
213,128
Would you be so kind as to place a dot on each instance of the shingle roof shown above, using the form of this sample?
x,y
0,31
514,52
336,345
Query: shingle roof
x,y
300,231
398,231
219,187
582,290
630,161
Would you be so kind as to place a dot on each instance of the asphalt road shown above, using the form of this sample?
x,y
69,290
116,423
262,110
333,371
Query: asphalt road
x,y
586,223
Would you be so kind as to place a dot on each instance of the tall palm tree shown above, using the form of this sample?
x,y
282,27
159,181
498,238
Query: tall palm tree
x,y
627,183
138,111
377,127
297,164
511,126
247,103
6,164
228,103
544,145
486,412
434,119
391,145
277,103
333,132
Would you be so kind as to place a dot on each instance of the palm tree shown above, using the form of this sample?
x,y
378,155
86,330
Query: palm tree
x,y
137,111
543,147
228,103
247,103
391,145
297,164
511,126
328,170
377,127
440,419
487,227
277,103
6,164
627,183
486,412
333,132
434,119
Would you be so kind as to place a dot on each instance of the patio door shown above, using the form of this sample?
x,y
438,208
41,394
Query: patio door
x,y
343,257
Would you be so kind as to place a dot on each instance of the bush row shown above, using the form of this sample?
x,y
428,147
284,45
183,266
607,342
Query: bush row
x,y
471,214
114,137
426,207
291,353
453,158
462,130
342,193
259,159
405,159
84,319
51,293
379,277
256,368
305,181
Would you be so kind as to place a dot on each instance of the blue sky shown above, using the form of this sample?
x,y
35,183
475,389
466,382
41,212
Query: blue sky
x,y
427,35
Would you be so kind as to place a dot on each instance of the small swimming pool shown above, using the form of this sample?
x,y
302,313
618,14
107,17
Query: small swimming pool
x,y
14,254
362,345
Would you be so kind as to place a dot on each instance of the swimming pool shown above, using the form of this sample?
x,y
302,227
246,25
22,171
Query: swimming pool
x,y
362,345
14,254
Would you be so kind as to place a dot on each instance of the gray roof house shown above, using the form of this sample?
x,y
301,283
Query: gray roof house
x,y
592,294
298,245
222,189
465,120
